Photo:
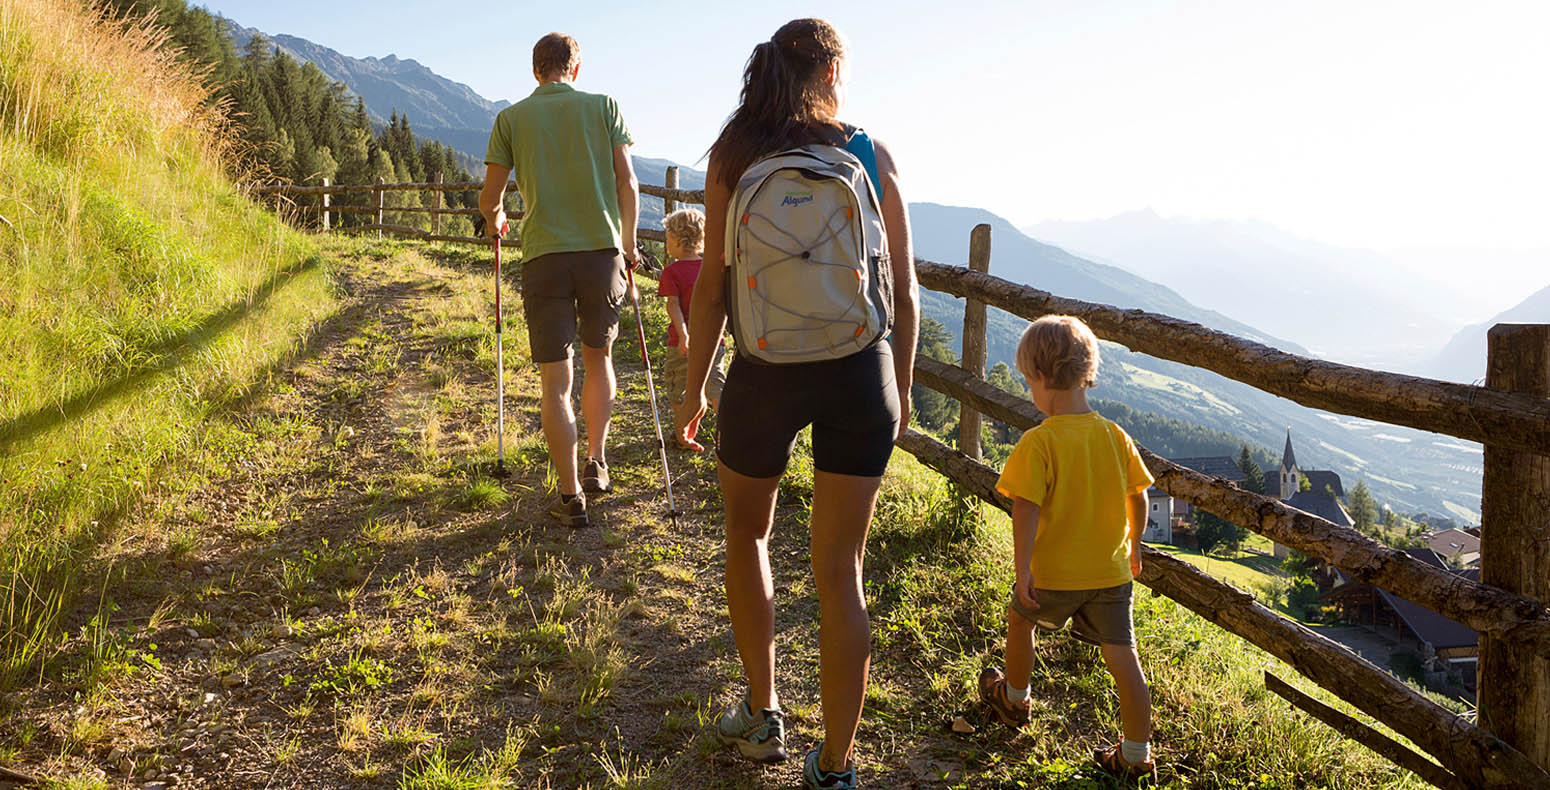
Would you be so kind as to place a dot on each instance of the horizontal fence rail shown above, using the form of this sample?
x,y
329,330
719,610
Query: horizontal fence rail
x,y
1486,609
511,240
1475,756
1479,414
666,193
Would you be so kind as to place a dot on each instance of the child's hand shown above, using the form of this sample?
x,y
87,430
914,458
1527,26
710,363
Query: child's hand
x,y
1135,561
1025,592
683,346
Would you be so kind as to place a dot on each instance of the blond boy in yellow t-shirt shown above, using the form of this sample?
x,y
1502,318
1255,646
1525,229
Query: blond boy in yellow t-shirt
x,y
1078,490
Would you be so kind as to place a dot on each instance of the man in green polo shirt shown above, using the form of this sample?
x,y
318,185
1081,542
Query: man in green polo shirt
x,y
569,152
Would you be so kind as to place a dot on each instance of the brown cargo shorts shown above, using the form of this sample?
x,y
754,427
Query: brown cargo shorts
x,y
563,288
1101,617
676,378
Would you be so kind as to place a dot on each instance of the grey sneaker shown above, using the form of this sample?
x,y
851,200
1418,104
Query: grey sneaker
x,y
760,738
594,477
572,513
815,778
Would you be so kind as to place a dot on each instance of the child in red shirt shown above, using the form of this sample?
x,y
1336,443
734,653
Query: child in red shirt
x,y
685,231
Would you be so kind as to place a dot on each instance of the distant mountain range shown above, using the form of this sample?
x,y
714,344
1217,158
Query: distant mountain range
x,y
1350,305
1410,470
1463,359
436,107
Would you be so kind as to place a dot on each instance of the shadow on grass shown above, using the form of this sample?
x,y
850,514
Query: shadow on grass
x,y
170,354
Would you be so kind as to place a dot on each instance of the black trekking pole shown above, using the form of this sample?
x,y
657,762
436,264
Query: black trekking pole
x,y
651,388
500,361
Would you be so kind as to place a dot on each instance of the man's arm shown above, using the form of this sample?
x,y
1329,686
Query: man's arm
x,y
906,292
1025,526
629,198
492,197
1136,505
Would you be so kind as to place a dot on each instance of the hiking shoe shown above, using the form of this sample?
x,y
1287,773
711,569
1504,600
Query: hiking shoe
x,y
594,477
815,779
572,513
760,738
993,694
1113,763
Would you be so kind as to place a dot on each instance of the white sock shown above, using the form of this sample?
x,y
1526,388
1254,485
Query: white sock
x,y
1135,752
1016,696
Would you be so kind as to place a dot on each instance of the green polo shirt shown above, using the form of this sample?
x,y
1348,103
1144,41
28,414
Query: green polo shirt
x,y
559,144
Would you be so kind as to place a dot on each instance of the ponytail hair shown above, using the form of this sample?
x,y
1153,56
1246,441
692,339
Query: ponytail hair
x,y
783,104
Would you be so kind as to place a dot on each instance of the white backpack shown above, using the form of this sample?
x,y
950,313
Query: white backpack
x,y
808,274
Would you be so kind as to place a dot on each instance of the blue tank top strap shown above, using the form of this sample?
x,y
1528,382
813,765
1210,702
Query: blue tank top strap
x,y
861,146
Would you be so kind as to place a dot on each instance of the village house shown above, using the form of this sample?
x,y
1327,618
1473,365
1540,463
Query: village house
x,y
1444,646
1159,516
1459,548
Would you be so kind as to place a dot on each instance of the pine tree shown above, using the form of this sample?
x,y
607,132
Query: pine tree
x,y
1364,509
933,410
1255,477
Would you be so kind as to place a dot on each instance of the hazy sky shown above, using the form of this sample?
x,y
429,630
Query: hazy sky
x,y
1385,125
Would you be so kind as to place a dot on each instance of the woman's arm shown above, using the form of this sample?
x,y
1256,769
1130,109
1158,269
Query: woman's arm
x,y
707,307
906,292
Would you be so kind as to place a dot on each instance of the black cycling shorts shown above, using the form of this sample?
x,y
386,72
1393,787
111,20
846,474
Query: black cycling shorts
x,y
852,404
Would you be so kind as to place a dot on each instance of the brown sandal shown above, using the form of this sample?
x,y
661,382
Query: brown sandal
x,y
993,693
1113,762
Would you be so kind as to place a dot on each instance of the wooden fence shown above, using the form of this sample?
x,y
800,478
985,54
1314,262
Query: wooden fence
x,y
1510,747
316,201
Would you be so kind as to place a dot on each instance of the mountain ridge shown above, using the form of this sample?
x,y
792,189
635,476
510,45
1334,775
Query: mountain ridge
x,y
1463,358
436,107
1371,309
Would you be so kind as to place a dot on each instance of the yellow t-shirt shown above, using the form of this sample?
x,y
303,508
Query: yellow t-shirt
x,y
1078,468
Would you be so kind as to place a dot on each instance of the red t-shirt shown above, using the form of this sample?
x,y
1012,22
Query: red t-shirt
x,y
678,280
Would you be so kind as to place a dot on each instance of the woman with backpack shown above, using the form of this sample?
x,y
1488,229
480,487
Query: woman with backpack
x,y
808,252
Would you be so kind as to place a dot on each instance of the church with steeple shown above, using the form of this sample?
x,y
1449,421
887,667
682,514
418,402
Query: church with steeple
x,y
1319,498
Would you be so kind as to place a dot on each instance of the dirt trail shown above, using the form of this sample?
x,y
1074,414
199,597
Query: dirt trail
x,y
331,592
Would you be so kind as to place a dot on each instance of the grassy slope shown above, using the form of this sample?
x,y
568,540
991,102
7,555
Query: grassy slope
x,y
141,292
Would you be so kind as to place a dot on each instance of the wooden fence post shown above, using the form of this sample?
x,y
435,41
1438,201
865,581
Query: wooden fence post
x,y
380,192
1515,548
670,205
325,202
974,342
436,215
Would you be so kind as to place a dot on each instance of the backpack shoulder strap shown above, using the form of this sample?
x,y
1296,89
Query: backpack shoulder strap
x,y
861,147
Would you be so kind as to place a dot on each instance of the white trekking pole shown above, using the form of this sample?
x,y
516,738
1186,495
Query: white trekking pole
x,y
651,388
500,370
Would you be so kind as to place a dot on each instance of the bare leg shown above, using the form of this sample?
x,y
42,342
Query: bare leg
x,y
597,397
750,511
559,423
1135,701
842,514
1019,650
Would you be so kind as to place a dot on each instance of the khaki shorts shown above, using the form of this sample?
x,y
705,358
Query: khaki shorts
x,y
562,288
1101,617
676,375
